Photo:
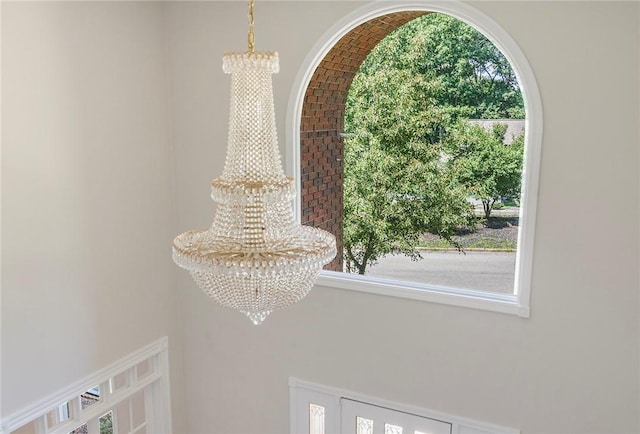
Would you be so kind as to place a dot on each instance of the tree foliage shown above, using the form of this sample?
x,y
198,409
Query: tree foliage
x,y
407,97
489,169
467,75
391,198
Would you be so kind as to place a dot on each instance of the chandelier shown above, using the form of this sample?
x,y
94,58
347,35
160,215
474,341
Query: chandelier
x,y
255,257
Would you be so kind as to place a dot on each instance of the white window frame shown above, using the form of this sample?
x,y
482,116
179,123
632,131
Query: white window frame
x,y
516,303
155,387
302,393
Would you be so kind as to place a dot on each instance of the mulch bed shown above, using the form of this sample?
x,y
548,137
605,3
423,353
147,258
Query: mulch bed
x,y
497,233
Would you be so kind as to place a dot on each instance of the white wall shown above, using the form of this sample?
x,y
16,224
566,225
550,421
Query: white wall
x,y
87,210
88,126
571,368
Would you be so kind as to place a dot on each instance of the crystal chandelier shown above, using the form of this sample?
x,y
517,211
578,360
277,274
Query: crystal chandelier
x,y
254,257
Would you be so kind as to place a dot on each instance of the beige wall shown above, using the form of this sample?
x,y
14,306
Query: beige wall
x,y
571,368
91,134
87,210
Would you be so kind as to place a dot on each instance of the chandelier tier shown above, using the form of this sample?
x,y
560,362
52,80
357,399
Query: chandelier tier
x,y
254,258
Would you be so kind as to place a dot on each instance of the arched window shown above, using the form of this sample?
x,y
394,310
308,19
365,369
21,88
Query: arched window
x,y
315,141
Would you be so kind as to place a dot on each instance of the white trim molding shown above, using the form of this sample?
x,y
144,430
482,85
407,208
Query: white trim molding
x,y
516,303
157,382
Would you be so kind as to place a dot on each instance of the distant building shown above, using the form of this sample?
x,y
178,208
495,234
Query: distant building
x,y
515,127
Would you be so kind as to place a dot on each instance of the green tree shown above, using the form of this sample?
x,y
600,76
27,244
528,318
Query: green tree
x,y
414,86
396,186
468,76
488,168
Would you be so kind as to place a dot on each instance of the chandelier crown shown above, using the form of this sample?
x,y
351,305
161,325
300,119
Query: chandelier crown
x,y
252,155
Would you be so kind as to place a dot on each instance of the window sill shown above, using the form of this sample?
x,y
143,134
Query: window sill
x,y
490,301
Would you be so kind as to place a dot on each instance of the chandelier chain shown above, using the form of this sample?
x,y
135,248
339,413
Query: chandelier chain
x,y
251,37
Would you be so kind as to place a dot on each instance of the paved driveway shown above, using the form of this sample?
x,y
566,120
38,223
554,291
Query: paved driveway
x,y
489,271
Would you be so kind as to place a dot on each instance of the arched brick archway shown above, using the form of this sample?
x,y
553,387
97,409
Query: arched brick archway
x,y
322,122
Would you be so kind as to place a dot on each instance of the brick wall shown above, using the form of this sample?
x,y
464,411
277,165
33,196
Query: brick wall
x,y
323,121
